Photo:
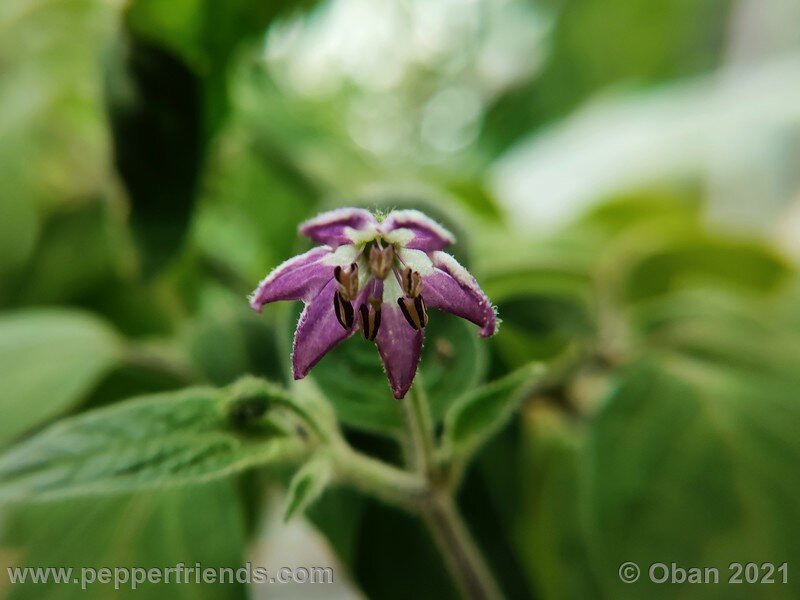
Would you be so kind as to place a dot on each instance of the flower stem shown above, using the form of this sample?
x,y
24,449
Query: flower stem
x,y
420,431
439,510
461,554
390,484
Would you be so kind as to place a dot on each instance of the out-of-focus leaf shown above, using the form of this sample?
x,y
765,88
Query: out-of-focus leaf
x,y
168,96
226,339
19,226
204,32
155,107
53,145
631,47
80,254
253,199
623,213
352,377
147,530
478,415
307,485
164,439
540,326
695,463
725,328
543,298
739,265
548,528
387,538
338,515
49,361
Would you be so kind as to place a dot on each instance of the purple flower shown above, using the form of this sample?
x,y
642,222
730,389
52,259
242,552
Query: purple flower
x,y
377,276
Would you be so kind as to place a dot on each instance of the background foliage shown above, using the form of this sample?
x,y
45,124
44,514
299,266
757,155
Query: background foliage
x,y
622,179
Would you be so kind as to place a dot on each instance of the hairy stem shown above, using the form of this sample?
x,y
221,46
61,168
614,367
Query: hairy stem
x,y
420,432
461,554
386,482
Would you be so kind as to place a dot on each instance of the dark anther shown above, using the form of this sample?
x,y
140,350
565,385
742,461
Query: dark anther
x,y
414,310
370,319
344,311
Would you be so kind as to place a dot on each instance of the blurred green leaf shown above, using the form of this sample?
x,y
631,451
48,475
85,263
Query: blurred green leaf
x,y
662,208
164,439
52,126
705,260
548,526
81,253
147,530
714,326
226,339
205,32
478,415
694,463
253,198
337,514
168,93
49,361
352,378
19,228
638,43
155,112
307,485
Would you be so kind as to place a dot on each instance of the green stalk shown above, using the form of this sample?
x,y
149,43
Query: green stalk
x,y
461,555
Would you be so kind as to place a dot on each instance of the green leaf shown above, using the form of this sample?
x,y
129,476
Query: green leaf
x,y
695,463
53,144
673,263
49,361
549,533
307,486
543,292
81,257
160,529
482,413
352,377
724,328
165,439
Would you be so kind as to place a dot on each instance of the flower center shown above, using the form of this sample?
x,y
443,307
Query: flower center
x,y
381,260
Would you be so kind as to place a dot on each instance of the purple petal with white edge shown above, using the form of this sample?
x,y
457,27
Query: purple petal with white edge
x,y
428,234
453,289
299,278
400,346
318,331
332,227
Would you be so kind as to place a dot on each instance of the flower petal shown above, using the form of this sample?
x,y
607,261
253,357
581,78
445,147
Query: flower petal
x,y
428,235
318,331
333,227
451,288
399,346
299,278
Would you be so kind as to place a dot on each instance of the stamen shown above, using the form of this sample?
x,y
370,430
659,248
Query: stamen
x,y
370,319
411,282
381,260
414,310
344,311
348,281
